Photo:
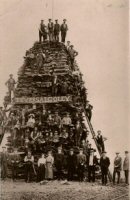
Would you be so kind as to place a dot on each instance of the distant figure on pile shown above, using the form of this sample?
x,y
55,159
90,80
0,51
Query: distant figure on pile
x,y
56,30
72,54
40,59
117,167
126,167
64,29
11,86
42,32
88,110
50,30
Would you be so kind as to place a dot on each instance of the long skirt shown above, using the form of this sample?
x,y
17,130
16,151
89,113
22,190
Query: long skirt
x,y
41,173
49,171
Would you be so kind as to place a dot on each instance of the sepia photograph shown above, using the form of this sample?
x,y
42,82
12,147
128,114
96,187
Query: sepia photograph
x,y
64,100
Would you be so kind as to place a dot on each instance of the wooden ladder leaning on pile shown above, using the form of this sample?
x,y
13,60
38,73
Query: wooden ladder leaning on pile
x,y
93,135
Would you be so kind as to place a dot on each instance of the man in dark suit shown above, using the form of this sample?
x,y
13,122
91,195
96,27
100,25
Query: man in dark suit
x,y
56,30
92,162
64,29
104,163
71,162
59,161
81,161
126,167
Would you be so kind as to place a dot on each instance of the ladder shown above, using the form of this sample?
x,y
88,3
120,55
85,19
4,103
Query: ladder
x,y
94,138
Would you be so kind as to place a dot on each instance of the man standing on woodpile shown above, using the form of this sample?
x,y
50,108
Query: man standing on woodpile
x,y
50,30
72,54
126,167
104,163
81,161
41,31
40,59
56,30
11,85
117,167
64,29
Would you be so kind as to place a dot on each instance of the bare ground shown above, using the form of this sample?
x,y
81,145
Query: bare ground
x,y
59,190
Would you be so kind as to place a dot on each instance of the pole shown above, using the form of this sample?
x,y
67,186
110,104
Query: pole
x,y
52,9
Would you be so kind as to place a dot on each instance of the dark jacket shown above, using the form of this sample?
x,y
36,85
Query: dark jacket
x,y
56,28
71,161
104,163
59,160
64,28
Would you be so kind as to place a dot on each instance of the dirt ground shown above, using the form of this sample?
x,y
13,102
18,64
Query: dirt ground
x,y
61,190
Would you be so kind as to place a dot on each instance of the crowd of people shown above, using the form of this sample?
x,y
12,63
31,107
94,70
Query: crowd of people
x,y
51,141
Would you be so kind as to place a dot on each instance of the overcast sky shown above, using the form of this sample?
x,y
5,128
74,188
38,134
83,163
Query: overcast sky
x,y
99,31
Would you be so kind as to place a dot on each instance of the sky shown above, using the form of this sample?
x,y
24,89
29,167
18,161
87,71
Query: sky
x,y
98,29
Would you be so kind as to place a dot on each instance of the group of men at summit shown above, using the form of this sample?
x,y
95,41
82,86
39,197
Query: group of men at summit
x,y
52,30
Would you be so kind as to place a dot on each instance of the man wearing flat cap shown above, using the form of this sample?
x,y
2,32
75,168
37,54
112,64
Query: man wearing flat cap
x,y
50,30
126,167
81,161
64,29
117,167
56,30
11,85
104,164
41,31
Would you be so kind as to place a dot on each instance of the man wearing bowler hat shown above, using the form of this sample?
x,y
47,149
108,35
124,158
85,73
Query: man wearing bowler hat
x,y
126,167
117,167
104,163
64,29
56,30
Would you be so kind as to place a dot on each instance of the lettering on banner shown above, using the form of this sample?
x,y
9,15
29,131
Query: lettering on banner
x,y
33,100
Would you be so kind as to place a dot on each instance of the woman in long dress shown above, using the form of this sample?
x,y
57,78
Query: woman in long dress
x,y
49,166
41,168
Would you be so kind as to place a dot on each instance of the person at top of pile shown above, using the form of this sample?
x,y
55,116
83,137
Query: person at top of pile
x,y
42,31
56,30
50,29
64,29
